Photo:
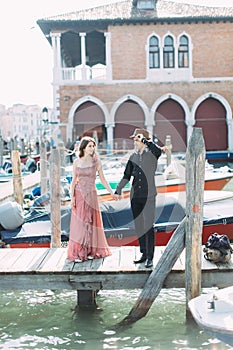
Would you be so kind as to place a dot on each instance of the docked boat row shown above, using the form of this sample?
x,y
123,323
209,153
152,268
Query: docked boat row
x,y
35,229
169,178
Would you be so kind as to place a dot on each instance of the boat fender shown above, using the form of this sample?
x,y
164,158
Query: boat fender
x,y
11,215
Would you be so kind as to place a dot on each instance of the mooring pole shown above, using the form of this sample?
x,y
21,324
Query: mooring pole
x,y
1,151
195,178
17,177
169,149
43,169
62,159
156,279
55,201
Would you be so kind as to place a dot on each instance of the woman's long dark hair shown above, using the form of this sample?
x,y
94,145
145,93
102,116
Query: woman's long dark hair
x,y
83,144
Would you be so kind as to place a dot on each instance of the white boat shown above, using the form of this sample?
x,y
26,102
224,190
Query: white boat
x,y
167,179
214,313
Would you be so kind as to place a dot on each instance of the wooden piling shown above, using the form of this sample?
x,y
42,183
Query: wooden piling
x,y
86,298
62,159
156,279
169,149
195,178
1,151
55,201
43,169
17,177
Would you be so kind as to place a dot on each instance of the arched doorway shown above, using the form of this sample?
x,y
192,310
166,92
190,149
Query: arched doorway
x,y
89,121
170,120
129,116
211,117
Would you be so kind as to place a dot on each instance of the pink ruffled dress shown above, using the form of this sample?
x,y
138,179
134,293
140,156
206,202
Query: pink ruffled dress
x,y
87,237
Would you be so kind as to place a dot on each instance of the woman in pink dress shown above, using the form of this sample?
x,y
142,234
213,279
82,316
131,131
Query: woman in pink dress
x,y
87,238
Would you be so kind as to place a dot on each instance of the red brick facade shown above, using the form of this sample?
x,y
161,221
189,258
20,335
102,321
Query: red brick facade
x,y
208,82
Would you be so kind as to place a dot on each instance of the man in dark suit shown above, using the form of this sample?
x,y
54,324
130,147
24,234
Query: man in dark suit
x,y
142,165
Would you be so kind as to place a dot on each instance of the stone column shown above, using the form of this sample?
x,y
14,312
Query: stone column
x,y
56,44
189,124
83,55
230,134
57,78
109,137
108,55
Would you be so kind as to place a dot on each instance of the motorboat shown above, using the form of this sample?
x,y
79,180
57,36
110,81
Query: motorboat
x,y
171,179
118,221
213,312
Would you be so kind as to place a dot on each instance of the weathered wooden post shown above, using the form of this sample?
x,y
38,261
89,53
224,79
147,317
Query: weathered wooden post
x,y
63,159
195,177
43,169
17,177
1,151
12,145
169,149
55,201
156,279
22,146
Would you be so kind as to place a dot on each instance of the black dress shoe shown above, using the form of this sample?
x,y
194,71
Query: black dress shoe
x,y
148,263
141,260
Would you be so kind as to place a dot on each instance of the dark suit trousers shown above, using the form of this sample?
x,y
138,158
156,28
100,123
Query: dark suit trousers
x,y
144,214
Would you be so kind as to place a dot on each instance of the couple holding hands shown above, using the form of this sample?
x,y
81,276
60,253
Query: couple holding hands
x,y
87,238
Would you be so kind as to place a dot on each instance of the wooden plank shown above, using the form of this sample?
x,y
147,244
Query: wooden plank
x,y
21,260
55,261
30,259
108,281
10,260
111,263
127,256
84,266
35,281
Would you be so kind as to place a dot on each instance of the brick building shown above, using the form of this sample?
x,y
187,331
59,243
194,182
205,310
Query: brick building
x,y
160,65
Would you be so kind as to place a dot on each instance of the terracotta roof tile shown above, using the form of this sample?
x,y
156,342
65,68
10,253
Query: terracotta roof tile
x,y
123,10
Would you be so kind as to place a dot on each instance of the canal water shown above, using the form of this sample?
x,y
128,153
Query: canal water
x,y
48,320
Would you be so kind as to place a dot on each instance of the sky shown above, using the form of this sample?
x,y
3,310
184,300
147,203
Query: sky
x,y
26,60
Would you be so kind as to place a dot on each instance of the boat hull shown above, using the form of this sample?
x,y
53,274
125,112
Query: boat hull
x,y
214,313
172,186
119,226
119,239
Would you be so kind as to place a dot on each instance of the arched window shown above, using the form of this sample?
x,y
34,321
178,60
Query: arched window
x,y
154,56
146,4
183,52
168,52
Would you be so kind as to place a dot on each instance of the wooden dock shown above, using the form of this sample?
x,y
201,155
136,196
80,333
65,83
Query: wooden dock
x,y
48,268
